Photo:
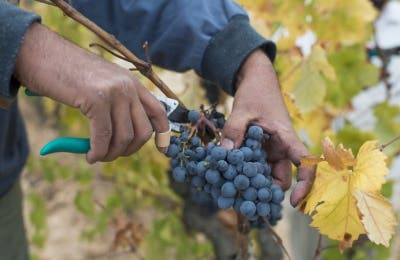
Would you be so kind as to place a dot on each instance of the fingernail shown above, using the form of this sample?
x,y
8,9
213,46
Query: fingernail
x,y
89,159
162,149
227,144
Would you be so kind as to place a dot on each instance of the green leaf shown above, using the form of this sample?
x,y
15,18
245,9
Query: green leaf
x,y
353,74
99,226
353,137
387,188
387,126
84,176
310,83
343,22
84,202
113,201
37,217
168,239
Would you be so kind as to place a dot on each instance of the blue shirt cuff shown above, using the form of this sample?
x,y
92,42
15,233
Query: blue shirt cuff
x,y
229,48
14,23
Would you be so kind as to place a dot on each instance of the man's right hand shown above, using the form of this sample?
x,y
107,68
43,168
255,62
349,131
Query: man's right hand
x,y
122,113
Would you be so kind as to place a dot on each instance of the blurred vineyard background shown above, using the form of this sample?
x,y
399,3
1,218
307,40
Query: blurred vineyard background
x,y
340,78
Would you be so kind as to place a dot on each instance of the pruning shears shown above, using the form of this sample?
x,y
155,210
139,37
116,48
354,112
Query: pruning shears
x,y
177,115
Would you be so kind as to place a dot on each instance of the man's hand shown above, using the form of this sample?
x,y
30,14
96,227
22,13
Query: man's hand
x,y
122,113
258,101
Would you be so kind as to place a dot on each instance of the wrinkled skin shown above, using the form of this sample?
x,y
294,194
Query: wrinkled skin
x,y
258,100
122,113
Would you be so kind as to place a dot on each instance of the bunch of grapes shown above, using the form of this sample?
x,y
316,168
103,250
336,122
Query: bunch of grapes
x,y
239,178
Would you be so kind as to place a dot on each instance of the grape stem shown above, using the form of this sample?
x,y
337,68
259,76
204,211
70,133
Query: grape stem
x,y
277,238
204,122
244,230
145,68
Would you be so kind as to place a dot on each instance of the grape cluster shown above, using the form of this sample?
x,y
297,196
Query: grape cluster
x,y
239,178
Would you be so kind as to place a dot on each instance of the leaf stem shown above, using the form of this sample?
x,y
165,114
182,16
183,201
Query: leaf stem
x,y
383,146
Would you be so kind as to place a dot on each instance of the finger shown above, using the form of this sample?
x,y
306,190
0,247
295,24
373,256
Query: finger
x,y
122,130
100,132
141,127
234,131
305,175
296,151
305,179
156,113
282,173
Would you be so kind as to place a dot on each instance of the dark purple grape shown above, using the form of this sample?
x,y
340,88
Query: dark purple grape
x,y
250,194
228,190
179,174
218,153
241,182
230,173
172,151
250,169
248,208
264,194
193,116
263,209
225,203
212,176
259,181
255,132
247,152
235,156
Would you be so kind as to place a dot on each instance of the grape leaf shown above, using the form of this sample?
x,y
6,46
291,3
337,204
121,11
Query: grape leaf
x,y
332,201
378,217
354,137
387,125
314,126
293,110
339,158
343,21
310,85
354,73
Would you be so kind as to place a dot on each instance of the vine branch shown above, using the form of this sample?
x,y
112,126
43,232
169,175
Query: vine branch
x,y
108,50
143,67
46,2
277,238
318,250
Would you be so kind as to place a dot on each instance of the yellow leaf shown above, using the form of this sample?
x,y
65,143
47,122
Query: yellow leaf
x,y
343,30
310,160
336,212
370,167
339,158
332,199
378,217
293,110
315,125
323,189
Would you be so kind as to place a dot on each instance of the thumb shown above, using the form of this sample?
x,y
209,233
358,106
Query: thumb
x,y
233,131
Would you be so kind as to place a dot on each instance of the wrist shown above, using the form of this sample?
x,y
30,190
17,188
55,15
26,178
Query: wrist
x,y
257,65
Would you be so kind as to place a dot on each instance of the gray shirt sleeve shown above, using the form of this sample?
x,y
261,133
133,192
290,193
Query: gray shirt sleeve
x,y
14,23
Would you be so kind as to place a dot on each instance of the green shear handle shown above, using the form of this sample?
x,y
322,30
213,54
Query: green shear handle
x,y
66,144
63,144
